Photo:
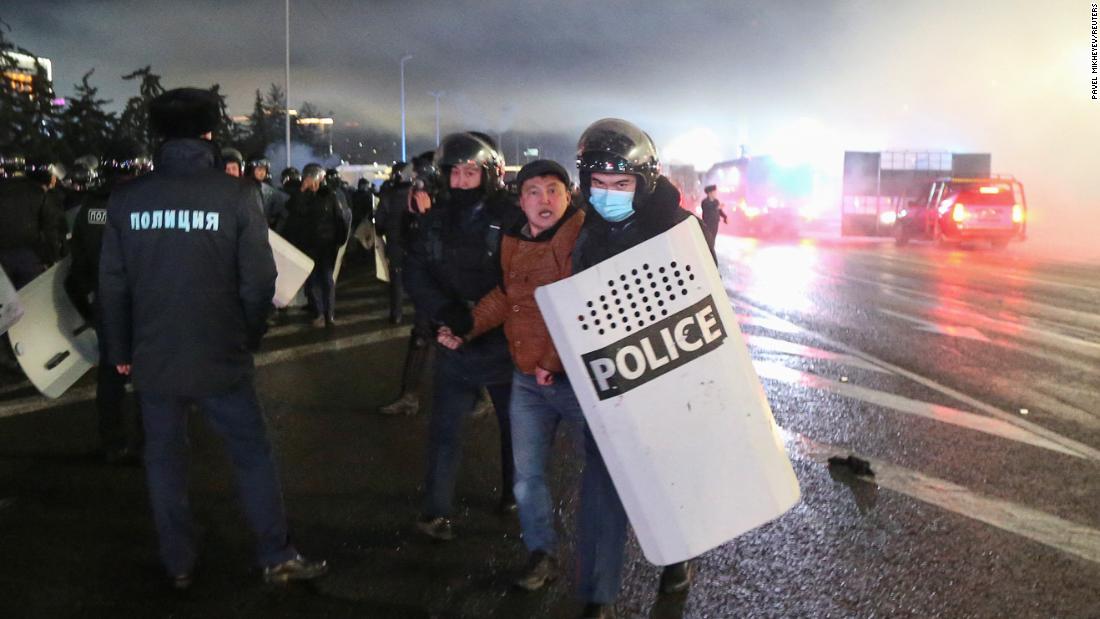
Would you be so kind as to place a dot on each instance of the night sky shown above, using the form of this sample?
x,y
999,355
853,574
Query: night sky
x,y
816,78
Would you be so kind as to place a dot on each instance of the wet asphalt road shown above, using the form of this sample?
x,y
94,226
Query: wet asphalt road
x,y
920,361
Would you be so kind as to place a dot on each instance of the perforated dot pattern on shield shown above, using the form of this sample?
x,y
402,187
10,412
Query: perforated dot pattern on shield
x,y
637,298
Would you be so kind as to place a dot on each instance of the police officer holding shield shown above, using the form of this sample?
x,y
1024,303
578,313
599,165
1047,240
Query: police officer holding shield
x,y
186,280
629,202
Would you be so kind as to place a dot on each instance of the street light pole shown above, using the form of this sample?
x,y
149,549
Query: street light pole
x,y
286,105
404,58
437,95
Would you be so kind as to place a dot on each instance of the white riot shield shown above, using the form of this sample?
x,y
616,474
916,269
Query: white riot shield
x,y
299,299
364,233
11,308
292,266
339,262
53,344
653,350
381,264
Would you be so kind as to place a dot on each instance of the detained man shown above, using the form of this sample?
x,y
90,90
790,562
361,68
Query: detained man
x,y
534,252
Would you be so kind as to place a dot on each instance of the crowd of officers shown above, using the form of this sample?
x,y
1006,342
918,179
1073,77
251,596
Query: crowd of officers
x,y
465,248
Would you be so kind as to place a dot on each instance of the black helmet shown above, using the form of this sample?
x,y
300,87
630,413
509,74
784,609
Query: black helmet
x,y
333,179
232,155
615,146
401,173
291,174
258,161
84,177
459,148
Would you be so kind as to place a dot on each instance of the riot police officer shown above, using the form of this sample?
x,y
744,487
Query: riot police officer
x,y
119,435
233,161
30,221
274,199
452,264
317,226
188,231
629,202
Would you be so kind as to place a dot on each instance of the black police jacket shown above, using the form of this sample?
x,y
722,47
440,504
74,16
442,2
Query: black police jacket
x,y
186,275
654,214
454,260
88,227
28,218
316,223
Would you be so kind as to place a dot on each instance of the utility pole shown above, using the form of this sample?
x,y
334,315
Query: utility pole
x,y
437,94
286,102
404,58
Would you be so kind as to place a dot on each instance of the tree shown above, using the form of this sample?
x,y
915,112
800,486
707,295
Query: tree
x,y
133,124
85,127
228,132
259,133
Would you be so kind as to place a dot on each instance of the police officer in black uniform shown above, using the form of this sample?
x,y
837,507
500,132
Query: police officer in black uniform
x,y
120,437
316,225
274,199
629,202
452,264
186,280
30,222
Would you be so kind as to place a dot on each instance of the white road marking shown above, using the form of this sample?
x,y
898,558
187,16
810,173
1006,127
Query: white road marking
x,y
1077,446
770,344
1020,330
773,323
969,333
927,410
1038,526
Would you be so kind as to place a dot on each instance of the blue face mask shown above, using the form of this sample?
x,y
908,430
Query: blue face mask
x,y
612,205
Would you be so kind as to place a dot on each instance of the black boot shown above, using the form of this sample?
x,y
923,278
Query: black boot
x,y
676,578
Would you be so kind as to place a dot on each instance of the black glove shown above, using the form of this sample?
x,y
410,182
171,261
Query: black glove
x,y
457,317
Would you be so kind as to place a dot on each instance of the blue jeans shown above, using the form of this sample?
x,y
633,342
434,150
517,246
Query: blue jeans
x,y
321,288
602,528
536,413
238,419
458,380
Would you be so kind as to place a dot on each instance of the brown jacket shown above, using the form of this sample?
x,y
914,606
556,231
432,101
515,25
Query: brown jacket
x,y
527,264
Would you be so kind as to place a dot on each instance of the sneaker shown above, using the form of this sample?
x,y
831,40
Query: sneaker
x,y
676,578
318,322
298,568
541,568
438,528
407,404
598,611
330,323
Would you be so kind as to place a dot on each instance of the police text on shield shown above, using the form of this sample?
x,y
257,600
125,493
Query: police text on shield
x,y
659,348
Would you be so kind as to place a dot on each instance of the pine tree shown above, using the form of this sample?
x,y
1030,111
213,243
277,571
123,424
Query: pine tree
x,y
133,124
85,127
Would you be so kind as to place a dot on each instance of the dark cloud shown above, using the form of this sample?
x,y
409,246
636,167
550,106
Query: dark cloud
x,y
1010,79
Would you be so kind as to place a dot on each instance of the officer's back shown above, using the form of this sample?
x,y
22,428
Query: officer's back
x,y
189,244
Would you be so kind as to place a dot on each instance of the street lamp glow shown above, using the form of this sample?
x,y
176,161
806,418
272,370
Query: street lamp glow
x,y
404,59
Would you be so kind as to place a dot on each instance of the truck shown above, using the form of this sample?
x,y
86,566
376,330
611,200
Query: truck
x,y
931,195
765,197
